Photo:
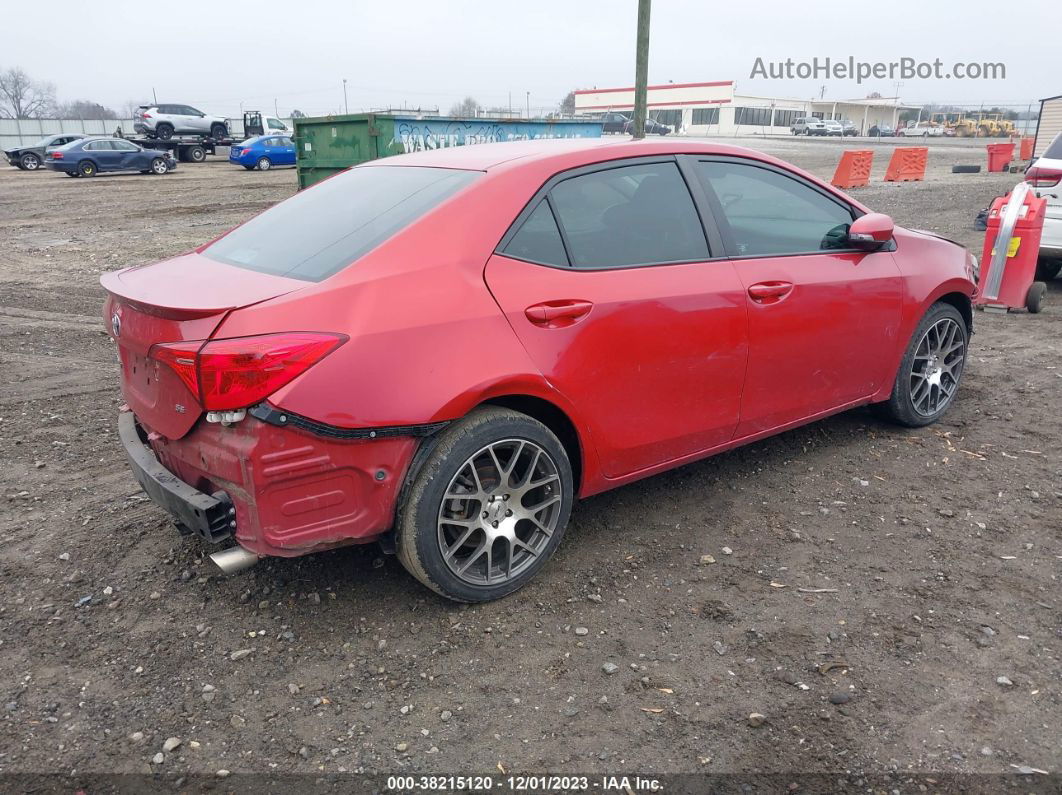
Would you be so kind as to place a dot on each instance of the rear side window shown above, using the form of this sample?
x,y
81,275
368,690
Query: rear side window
x,y
629,216
538,239
319,231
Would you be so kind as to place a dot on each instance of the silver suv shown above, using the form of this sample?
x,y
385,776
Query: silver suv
x,y
808,125
165,121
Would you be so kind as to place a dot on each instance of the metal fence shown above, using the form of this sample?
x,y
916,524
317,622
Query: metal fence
x,y
23,132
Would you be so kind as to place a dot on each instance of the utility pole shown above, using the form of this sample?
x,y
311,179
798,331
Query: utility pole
x,y
346,107
641,68
529,104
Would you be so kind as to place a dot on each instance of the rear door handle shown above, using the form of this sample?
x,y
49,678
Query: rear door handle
x,y
557,313
770,292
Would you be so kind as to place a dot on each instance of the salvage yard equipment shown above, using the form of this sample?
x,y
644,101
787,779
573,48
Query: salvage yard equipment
x,y
1011,251
327,144
186,148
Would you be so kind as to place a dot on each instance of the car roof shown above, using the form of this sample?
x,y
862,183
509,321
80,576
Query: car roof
x,y
484,157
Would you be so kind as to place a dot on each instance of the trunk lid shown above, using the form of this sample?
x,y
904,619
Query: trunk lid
x,y
184,298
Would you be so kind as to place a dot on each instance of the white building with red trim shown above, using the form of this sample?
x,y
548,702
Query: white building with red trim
x,y
714,109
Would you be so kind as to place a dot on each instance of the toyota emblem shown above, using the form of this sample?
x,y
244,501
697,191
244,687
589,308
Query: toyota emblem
x,y
116,324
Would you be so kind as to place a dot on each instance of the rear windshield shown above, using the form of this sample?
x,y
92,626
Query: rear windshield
x,y
319,231
1054,151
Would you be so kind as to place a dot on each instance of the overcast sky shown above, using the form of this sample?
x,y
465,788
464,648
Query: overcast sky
x,y
431,53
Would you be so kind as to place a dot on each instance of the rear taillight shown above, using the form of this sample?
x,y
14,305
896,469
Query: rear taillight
x,y
145,115
239,372
57,155
1042,177
244,152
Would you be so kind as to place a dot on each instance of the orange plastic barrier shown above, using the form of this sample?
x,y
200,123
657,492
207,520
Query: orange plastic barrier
x,y
908,164
1027,148
854,169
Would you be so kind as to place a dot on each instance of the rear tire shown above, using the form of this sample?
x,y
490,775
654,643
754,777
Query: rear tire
x,y
930,372
86,168
30,161
264,164
195,154
164,131
506,528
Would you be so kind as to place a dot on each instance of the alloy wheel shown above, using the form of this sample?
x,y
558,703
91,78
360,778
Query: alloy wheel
x,y
937,367
499,512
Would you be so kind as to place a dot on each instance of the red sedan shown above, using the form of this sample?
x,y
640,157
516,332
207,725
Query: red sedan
x,y
441,351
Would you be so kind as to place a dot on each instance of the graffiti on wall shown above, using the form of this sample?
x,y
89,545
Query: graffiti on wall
x,y
416,135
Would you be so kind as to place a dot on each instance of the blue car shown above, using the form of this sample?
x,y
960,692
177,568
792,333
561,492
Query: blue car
x,y
263,152
88,157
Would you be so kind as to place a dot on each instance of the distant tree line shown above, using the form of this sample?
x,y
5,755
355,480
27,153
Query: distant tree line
x,y
22,97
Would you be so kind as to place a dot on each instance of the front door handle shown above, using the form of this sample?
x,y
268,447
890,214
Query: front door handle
x,y
554,314
770,292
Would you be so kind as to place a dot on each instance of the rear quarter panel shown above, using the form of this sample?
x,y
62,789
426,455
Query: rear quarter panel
x,y
427,340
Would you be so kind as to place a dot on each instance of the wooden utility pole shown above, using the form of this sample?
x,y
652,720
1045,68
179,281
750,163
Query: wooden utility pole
x,y
641,68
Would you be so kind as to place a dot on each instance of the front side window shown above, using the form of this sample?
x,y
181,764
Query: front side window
x,y
322,229
275,125
631,215
768,213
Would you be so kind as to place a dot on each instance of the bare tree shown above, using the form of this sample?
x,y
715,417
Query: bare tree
x,y
466,108
84,109
21,97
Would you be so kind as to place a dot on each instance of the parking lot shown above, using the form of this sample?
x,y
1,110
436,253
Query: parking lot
x,y
887,599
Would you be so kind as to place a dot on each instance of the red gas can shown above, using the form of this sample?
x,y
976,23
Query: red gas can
x,y
1012,246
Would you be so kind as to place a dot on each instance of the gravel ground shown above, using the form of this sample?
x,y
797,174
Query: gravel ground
x,y
933,646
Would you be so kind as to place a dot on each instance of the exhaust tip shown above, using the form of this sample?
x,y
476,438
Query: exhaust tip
x,y
234,559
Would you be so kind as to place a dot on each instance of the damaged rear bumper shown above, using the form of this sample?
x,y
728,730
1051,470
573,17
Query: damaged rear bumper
x,y
291,486
210,515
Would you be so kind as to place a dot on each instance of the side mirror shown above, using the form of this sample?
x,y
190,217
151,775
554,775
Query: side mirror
x,y
871,231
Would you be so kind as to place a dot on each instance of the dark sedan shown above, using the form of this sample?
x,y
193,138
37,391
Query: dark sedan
x,y
618,123
91,156
30,158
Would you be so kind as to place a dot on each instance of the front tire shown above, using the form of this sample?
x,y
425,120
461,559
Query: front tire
x,y
488,508
927,381
159,167
219,132
30,161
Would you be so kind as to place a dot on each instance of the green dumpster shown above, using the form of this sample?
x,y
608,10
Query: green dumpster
x,y
327,144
